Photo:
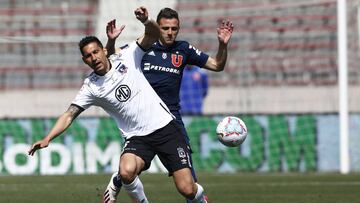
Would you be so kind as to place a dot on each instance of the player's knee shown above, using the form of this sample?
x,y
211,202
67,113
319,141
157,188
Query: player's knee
x,y
127,174
188,190
184,183
130,166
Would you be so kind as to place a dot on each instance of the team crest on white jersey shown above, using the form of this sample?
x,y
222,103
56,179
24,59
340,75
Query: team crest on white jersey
x,y
123,93
94,78
164,55
122,68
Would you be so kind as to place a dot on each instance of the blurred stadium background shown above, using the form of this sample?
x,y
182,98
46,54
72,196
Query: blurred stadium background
x,y
281,78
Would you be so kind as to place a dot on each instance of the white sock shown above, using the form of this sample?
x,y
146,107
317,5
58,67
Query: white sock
x,y
199,197
136,190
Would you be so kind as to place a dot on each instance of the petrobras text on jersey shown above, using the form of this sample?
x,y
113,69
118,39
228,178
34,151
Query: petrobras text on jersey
x,y
148,67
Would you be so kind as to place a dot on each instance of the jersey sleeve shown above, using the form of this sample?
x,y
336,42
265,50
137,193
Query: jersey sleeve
x,y
196,57
84,97
135,51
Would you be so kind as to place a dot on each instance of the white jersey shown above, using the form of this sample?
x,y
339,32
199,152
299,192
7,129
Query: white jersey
x,y
126,95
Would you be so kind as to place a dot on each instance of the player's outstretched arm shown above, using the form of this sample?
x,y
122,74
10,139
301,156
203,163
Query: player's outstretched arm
x,y
112,33
63,122
224,32
152,30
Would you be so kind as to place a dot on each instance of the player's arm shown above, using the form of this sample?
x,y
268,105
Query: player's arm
x,y
63,122
224,33
112,33
152,30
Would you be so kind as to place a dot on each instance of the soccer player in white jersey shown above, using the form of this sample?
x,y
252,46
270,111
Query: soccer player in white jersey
x,y
119,87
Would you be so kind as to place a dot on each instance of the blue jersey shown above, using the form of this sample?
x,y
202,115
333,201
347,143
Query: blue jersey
x,y
163,67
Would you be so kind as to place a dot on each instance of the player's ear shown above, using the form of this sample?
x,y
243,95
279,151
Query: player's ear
x,y
105,51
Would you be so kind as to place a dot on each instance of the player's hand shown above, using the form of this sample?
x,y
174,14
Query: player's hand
x,y
141,14
225,31
112,31
38,145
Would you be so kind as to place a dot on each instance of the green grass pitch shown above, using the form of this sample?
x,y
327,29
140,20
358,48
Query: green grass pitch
x,y
221,188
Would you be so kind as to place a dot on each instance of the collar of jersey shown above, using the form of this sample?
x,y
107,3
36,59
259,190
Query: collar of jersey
x,y
160,46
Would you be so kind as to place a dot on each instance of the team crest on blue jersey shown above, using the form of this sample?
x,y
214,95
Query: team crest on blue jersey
x,y
123,93
176,60
164,55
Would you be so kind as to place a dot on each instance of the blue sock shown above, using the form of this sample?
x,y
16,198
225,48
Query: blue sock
x,y
117,181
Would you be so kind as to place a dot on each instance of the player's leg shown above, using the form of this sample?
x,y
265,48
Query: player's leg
x,y
113,188
133,165
136,157
186,185
183,129
187,139
130,166
115,184
174,153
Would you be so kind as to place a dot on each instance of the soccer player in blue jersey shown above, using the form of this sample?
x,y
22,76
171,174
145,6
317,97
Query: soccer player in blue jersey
x,y
164,62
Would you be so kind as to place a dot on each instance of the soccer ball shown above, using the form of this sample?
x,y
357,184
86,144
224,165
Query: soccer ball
x,y
231,131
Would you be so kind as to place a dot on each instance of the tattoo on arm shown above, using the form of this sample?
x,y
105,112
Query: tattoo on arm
x,y
74,111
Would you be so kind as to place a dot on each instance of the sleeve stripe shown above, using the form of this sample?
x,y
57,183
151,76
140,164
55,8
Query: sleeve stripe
x,y
167,111
78,106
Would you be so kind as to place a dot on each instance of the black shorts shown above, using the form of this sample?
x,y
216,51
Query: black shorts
x,y
168,143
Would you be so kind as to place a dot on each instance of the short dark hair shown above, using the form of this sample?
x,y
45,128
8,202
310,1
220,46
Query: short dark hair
x,y
167,13
87,40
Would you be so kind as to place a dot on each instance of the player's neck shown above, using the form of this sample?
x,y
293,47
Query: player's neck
x,y
165,45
